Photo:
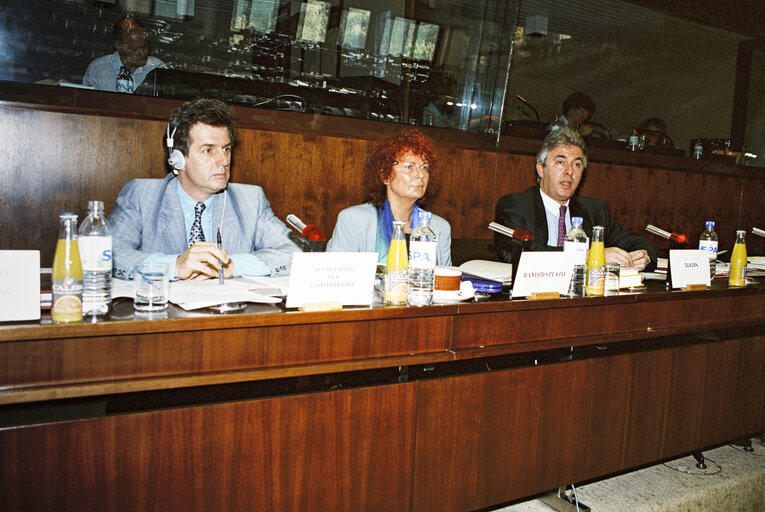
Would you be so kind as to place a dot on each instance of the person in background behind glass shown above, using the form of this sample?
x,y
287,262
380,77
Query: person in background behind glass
x,y
132,51
655,132
400,173
577,109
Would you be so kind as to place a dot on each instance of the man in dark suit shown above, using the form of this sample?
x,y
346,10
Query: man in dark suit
x,y
546,209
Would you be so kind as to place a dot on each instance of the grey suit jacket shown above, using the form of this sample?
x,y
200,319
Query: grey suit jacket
x,y
356,231
147,218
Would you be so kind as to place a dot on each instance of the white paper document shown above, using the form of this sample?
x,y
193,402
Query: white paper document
x,y
19,285
202,294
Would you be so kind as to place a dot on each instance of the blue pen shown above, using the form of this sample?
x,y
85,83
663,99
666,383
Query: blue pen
x,y
220,271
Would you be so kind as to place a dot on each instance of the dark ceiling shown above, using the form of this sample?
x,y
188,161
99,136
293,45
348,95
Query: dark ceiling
x,y
742,16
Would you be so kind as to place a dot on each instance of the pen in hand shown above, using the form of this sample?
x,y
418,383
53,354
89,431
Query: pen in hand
x,y
220,271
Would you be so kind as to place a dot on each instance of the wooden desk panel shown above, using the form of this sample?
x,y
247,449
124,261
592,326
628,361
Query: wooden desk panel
x,y
475,436
346,450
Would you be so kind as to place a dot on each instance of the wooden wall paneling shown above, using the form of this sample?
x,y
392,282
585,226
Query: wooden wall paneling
x,y
58,162
344,450
752,215
309,175
116,358
703,197
635,196
466,177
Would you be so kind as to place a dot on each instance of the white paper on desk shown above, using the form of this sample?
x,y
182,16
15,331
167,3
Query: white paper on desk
x,y
689,266
274,286
19,285
122,288
344,277
543,271
201,294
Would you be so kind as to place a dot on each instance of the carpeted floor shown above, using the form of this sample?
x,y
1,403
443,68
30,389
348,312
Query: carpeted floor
x,y
733,481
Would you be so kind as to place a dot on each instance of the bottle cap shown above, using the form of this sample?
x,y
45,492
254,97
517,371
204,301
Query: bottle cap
x,y
710,224
96,205
576,221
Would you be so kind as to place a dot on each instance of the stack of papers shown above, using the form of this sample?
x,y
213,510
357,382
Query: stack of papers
x,y
202,294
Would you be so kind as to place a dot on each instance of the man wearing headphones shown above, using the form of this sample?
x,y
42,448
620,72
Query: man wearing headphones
x,y
175,220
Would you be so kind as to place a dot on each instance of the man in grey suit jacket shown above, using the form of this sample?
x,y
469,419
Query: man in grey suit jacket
x,y
561,161
175,220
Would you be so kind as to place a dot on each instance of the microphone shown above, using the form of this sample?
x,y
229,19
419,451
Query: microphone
x,y
759,232
518,234
523,100
309,231
675,237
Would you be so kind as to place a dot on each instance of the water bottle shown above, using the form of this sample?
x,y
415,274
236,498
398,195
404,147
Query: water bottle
x,y
576,245
95,242
422,263
125,81
633,140
708,243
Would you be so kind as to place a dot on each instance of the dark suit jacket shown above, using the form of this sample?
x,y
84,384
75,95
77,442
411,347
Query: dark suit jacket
x,y
525,210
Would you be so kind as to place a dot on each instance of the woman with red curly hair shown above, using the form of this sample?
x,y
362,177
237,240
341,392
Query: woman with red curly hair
x,y
400,174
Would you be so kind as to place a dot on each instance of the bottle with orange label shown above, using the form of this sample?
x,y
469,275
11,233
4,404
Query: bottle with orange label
x,y
737,276
67,273
396,267
596,264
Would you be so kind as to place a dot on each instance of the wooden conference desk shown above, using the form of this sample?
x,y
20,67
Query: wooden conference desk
x,y
444,408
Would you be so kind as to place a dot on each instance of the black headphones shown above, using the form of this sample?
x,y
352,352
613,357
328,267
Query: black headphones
x,y
176,160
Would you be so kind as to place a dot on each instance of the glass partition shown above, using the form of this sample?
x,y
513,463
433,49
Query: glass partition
x,y
429,62
486,66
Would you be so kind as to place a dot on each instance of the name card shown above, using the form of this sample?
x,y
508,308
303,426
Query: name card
x,y
19,285
540,272
332,277
688,266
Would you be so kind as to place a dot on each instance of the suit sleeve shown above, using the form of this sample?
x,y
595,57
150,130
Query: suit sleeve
x,y
127,231
273,245
346,237
512,213
618,236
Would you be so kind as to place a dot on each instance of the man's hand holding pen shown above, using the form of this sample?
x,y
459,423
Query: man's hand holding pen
x,y
204,260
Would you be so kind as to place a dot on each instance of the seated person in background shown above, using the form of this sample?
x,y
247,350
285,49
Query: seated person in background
x,y
655,132
577,109
441,109
132,45
561,161
397,174
175,220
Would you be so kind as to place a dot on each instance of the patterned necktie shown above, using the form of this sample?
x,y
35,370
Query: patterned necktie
x,y
197,235
562,226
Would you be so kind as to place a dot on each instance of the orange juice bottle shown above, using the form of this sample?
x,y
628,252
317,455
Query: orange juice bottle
x,y
595,283
396,267
737,276
67,273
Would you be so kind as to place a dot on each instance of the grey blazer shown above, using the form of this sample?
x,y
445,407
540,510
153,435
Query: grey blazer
x,y
147,218
356,231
